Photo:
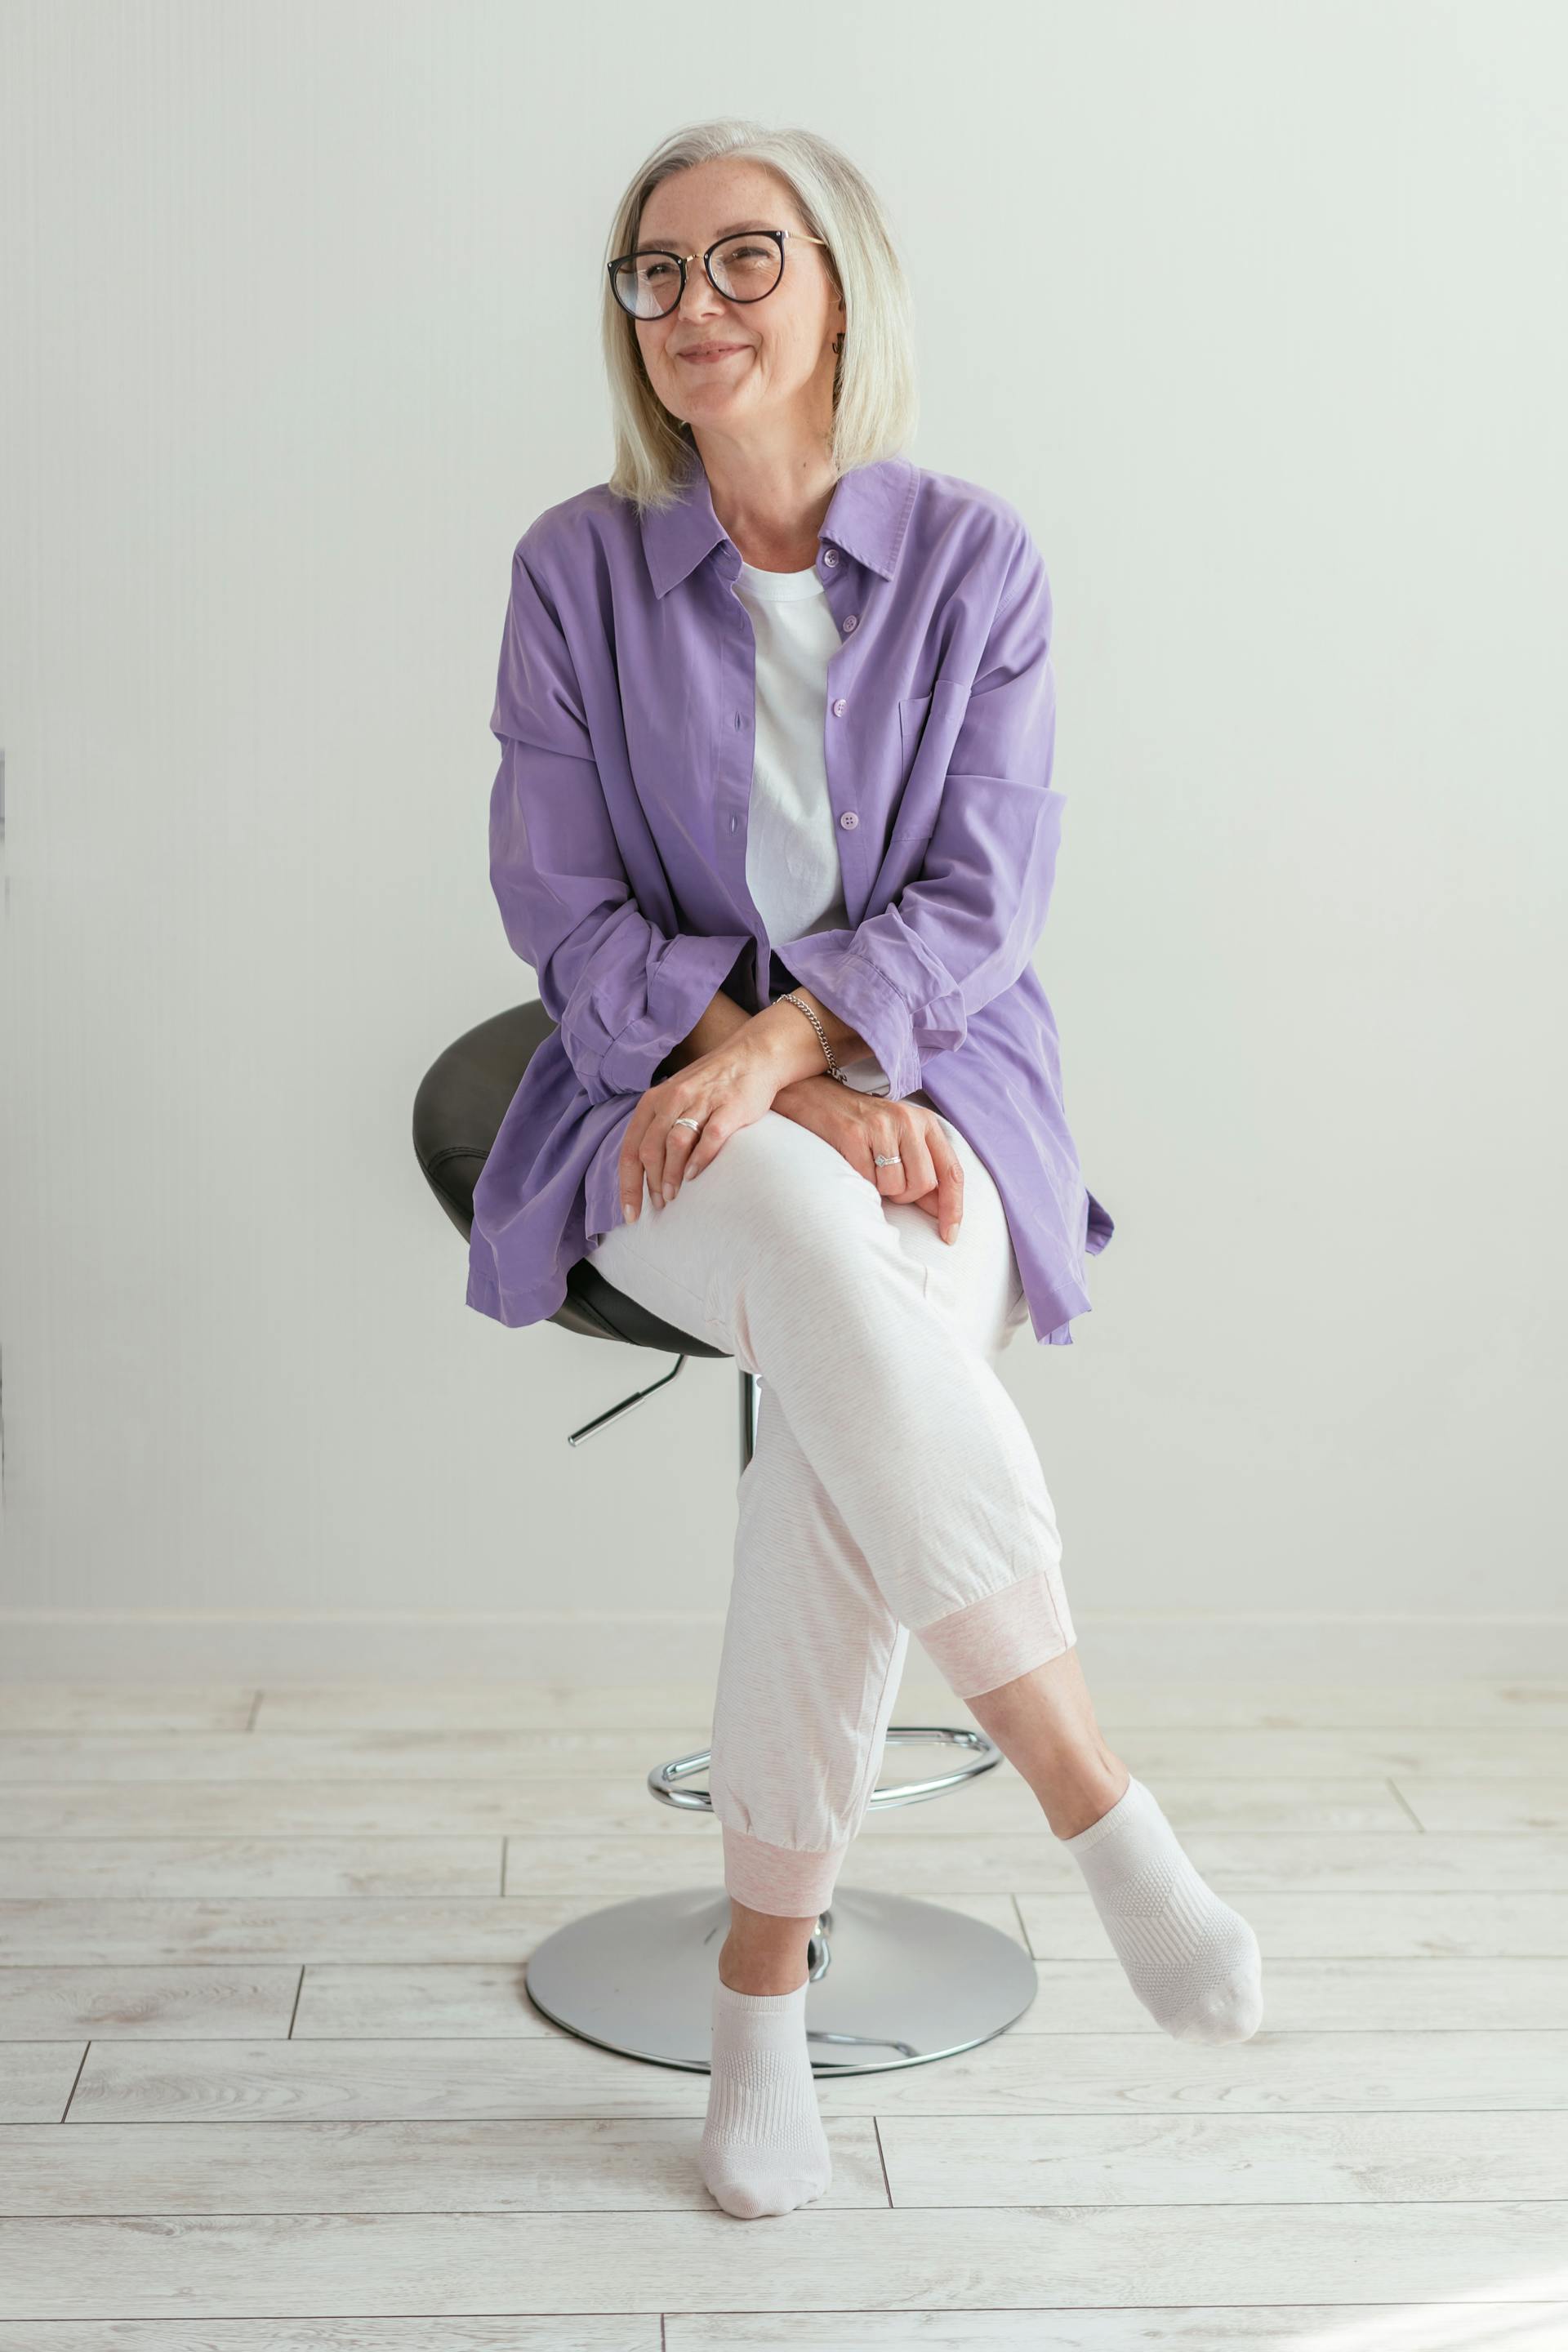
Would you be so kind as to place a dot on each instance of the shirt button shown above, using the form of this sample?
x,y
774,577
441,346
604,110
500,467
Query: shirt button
x,y
849,820
852,623
829,556
839,707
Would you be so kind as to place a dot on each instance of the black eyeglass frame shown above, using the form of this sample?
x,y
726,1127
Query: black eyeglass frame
x,y
681,260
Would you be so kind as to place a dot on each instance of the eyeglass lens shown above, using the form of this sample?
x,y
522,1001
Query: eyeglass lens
x,y
744,269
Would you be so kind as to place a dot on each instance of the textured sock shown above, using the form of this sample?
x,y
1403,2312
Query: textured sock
x,y
1193,1962
763,2148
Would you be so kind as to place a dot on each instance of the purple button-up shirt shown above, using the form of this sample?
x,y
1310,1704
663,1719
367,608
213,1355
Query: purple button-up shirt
x,y
626,712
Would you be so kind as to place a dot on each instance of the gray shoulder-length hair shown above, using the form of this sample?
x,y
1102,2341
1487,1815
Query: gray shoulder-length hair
x,y
874,403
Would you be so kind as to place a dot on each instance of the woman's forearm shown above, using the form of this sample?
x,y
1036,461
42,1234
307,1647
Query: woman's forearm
x,y
718,1022
774,1034
788,1041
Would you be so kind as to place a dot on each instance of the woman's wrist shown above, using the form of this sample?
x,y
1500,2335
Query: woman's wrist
x,y
782,1038
808,1101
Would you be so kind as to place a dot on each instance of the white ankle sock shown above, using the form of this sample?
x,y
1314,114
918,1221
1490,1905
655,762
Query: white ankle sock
x,y
1193,1962
763,2148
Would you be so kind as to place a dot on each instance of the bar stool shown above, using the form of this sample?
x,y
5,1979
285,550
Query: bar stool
x,y
893,1982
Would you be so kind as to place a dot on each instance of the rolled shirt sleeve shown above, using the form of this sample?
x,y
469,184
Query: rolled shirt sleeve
x,y
621,991
908,980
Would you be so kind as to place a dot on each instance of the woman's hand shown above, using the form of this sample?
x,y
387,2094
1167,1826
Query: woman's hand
x,y
722,1090
864,1128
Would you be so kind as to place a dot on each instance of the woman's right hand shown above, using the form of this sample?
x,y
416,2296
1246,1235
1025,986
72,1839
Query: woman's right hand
x,y
863,1127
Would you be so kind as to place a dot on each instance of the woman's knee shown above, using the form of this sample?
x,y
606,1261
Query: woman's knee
x,y
789,1184
794,1211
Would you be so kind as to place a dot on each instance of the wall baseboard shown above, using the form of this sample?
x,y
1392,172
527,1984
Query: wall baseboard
x,y
1117,1646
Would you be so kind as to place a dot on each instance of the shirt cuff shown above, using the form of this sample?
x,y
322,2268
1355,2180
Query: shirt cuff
x,y
850,984
687,978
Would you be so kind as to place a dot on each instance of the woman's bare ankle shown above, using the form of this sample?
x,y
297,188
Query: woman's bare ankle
x,y
1084,1794
762,1953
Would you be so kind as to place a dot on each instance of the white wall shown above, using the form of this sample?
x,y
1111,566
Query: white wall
x,y
1256,311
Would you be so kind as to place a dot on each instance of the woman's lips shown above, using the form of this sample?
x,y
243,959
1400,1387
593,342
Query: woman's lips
x,y
705,359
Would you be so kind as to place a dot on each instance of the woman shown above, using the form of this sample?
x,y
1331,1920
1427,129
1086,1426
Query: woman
x,y
775,826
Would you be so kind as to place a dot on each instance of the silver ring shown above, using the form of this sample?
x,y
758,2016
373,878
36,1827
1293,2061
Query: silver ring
x,y
890,1159
687,1122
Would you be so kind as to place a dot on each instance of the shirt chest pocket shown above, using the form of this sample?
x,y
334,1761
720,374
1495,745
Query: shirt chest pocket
x,y
928,727
915,814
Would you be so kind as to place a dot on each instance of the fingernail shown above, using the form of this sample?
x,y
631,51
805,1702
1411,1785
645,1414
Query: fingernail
x,y
669,1194
629,1209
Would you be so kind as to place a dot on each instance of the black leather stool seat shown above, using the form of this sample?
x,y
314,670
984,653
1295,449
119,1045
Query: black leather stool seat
x,y
462,1099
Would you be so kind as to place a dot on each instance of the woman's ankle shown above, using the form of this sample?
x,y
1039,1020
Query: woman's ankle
x,y
767,1964
1075,1801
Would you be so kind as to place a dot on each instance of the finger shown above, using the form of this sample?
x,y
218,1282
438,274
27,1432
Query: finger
x,y
653,1162
629,1173
706,1146
950,1188
891,1179
918,1165
678,1147
913,1174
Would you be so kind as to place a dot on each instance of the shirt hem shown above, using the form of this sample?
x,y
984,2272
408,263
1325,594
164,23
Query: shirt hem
x,y
515,1307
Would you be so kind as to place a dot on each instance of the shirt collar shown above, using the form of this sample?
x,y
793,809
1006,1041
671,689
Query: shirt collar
x,y
865,517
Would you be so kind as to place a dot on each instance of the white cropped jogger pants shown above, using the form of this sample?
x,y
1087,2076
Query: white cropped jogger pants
x,y
893,1487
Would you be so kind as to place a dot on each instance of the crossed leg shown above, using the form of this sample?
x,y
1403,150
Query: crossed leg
x,y
894,1487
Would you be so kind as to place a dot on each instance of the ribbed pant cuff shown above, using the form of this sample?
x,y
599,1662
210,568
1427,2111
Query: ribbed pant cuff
x,y
991,1642
783,1879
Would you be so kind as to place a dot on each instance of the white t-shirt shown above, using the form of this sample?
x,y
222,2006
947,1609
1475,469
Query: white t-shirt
x,y
791,845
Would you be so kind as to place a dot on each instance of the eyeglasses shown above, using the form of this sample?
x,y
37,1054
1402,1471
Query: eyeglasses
x,y
650,283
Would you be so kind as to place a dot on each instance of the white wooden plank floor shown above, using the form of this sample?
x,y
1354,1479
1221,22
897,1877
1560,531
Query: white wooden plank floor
x,y
269,2081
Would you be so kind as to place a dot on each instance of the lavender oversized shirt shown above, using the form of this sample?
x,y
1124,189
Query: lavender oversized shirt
x,y
626,707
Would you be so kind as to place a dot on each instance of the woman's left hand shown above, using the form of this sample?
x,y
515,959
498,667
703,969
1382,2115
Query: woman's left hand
x,y
728,1088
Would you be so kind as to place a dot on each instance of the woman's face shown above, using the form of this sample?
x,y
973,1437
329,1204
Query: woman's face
x,y
781,364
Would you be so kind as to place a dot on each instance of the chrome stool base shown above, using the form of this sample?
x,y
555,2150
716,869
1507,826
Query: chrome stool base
x,y
893,1982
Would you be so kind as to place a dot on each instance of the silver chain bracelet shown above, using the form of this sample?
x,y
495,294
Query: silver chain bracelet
x,y
833,1070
